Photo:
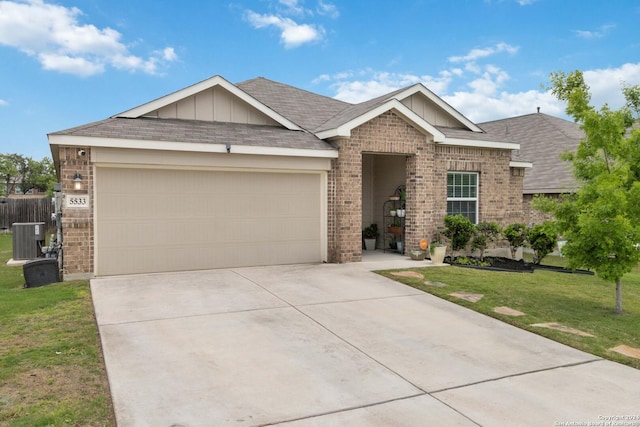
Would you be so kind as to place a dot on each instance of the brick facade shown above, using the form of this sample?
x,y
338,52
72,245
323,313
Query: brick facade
x,y
427,165
77,223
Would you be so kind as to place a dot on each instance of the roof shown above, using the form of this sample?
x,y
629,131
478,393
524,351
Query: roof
x,y
302,120
542,138
308,110
196,131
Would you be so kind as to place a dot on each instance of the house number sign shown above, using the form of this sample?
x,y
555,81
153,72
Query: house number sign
x,y
77,201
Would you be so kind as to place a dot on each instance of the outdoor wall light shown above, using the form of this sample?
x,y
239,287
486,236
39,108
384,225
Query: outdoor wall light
x,y
228,147
77,181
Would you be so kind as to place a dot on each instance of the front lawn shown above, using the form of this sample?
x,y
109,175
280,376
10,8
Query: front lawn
x,y
582,302
51,367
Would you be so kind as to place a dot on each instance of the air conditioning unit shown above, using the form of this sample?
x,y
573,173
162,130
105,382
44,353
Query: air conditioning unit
x,y
28,240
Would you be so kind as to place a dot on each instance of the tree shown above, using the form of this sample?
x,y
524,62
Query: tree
x,y
516,234
40,175
485,233
459,229
29,174
601,219
542,239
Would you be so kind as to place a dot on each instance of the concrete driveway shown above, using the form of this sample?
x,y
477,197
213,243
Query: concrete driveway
x,y
335,345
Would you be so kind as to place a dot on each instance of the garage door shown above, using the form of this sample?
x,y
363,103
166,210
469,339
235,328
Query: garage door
x,y
155,220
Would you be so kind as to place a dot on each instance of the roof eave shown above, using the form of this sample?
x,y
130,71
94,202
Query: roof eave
x,y
481,144
419,87
405,112
199,87
83,141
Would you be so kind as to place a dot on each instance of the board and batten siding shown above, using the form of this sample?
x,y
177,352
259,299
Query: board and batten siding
x,y
214,104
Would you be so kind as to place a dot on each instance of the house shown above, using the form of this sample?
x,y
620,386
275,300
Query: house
x,y
260,173
542,139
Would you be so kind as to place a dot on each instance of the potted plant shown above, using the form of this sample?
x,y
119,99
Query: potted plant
x,y
370,235
395,227
437,250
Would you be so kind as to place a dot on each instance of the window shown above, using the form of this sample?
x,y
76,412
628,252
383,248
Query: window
x,y
462,194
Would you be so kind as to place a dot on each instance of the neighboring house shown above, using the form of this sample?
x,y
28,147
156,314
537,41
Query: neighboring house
x,y
542,138
258,173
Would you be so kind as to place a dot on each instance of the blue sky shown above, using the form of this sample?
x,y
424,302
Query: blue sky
x,y
65,63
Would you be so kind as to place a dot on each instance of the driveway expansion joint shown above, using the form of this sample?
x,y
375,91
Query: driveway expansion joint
x,y
519,374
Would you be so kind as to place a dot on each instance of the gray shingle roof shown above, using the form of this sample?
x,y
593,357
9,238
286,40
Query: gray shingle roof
x,y
542,139
194,131
306,109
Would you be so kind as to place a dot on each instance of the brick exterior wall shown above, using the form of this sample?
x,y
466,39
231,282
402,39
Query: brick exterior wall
x,y
77,223
533,216
427,165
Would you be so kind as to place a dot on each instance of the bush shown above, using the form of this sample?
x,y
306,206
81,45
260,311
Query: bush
x,y
459,230
542,239
485,233
517,235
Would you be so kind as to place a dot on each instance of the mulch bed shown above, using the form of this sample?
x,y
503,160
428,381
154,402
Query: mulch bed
x,y
506,264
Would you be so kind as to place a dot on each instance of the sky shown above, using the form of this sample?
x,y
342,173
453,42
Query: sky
x,y
65,63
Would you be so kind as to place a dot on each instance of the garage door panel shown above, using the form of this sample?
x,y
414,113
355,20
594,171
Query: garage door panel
x,y
152,220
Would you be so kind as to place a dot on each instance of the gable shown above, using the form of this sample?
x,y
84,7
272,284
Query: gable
x,y
214,104
430,111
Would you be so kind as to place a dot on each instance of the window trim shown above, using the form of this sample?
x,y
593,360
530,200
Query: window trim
x,y
475,199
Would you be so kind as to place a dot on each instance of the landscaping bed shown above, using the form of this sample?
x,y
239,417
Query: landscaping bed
x,y
506,264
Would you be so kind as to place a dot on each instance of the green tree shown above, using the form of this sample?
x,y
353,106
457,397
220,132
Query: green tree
x,y
542,239
29,174
485,233
459,229
601,220
516,234
40,175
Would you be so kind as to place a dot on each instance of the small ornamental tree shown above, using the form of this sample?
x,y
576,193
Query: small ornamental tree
x,y
601,220
486,232
542,239
459,229
516,234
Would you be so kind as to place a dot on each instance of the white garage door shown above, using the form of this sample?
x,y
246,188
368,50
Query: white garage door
x,y
155,220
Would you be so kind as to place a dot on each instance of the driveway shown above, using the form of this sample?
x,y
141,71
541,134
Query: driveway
x,y
335,345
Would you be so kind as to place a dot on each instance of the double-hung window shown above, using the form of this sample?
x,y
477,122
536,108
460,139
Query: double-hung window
x,y
462,194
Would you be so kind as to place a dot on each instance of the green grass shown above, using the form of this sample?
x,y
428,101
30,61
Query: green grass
x,y
51,367
579,301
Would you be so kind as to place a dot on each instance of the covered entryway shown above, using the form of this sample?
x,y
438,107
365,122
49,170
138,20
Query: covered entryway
x,y
159,220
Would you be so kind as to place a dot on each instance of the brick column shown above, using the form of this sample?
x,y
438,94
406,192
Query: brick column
x,y
77,223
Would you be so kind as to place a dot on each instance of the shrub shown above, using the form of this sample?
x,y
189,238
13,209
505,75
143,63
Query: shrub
x,y
459,230
516,234
485,233
542,239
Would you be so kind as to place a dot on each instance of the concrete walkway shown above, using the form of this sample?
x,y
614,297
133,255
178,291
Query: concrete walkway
x,y
335,345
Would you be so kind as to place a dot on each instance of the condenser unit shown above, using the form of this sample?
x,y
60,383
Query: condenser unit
x,y
28,240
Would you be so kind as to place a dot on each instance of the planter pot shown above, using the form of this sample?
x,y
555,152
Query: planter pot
x,y
399,246
392,213
394,230
370,244
437,254
400,213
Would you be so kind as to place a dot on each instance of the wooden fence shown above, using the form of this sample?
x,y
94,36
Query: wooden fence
x,y
25,210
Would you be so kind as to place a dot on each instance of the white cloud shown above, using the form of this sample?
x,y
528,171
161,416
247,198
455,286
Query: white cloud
x,y
606,84
476,54
602,31
292,34
54,36
327,9
479,107
3,103
362,85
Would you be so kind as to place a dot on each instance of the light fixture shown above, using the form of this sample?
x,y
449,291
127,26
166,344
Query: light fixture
x,y
228,147
77,181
